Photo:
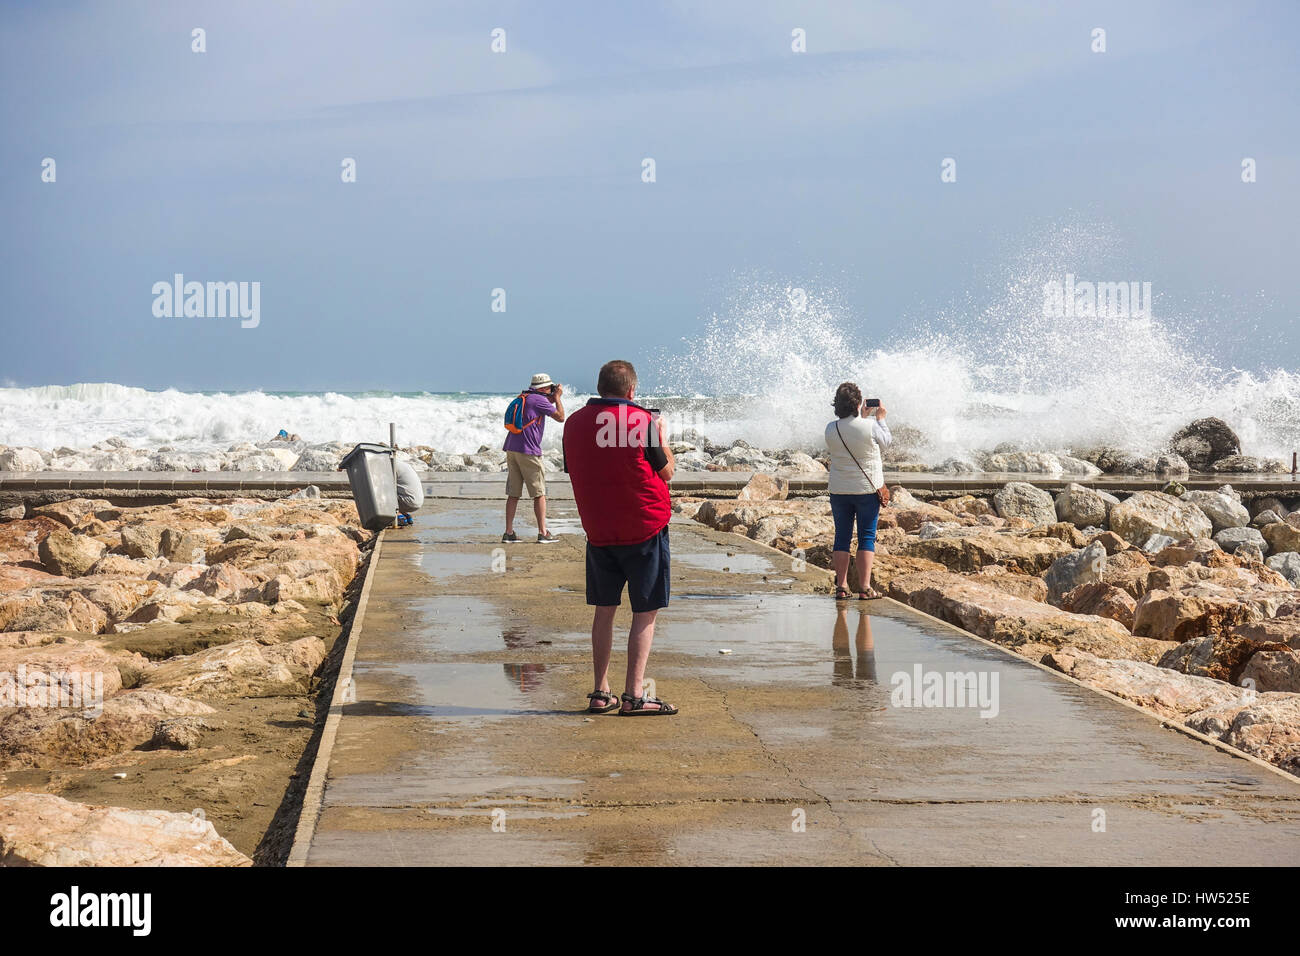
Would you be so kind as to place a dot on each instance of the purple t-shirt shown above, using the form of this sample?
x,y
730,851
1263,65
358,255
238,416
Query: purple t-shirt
x,y
530,440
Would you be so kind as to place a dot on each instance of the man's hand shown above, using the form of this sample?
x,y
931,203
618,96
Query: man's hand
x,y
666,472
556,392
878,413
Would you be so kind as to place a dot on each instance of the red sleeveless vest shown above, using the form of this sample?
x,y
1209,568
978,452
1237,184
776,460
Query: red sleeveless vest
x,y
620,498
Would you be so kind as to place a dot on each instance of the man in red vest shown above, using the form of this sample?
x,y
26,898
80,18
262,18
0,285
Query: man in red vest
x,y
620,466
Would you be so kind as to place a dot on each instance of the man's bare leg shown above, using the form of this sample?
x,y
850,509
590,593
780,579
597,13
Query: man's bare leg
x,y
602,644
511,505
539,512
639,640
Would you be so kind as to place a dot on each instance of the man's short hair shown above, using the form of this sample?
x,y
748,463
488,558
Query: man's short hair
x,y
617,378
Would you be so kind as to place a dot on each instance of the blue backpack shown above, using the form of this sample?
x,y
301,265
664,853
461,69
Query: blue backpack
x,y
515,415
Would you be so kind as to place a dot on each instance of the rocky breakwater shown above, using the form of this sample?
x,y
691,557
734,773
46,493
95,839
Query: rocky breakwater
x,y
157,672
1206,445
1185,605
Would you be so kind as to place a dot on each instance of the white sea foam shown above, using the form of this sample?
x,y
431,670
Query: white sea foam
x,y
971,378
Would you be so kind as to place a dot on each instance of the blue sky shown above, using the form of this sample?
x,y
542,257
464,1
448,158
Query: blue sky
x,y
522,171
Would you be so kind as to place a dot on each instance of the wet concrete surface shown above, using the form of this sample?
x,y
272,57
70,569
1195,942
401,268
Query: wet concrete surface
x,y
468,744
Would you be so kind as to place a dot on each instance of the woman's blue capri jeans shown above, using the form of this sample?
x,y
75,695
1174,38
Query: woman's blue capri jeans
x,y
866,509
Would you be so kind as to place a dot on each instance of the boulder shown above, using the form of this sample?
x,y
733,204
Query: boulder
x,y
21,459
1249,465
1148,513
72,512
765,488
1230,539
1172,465
1165,692
1195,611
1267,727
979,547
40,829
1219,656
1286,564
1019,499
1084,507
1071,570
1222,510
1199,550
1205,441
48,738
1101,599
142,540
70,555
242,669
1281,536
1274,669
1112,542
1264,518
1030,462
20,541
1268,503
1156,543
1028,627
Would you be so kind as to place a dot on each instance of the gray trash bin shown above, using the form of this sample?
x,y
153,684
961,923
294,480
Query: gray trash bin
x,y
370,473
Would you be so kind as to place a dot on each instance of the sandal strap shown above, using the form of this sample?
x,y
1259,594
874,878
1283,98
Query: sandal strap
x,y
607,694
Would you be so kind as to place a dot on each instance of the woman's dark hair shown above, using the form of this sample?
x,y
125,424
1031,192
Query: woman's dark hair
x,y
848,398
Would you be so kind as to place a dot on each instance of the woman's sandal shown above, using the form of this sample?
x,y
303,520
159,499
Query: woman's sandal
x,y
639,708
610,702
843,594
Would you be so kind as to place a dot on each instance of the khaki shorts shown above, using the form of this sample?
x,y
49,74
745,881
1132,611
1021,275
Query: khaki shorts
x,y
524,471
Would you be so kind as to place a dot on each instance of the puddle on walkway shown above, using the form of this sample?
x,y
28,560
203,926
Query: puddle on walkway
x,y
455,690
737,562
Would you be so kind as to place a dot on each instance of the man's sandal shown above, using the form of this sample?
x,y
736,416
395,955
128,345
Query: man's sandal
x,y
602,702
843,594
639,708
871,594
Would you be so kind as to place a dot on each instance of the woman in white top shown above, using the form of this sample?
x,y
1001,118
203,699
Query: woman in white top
x,y
856,483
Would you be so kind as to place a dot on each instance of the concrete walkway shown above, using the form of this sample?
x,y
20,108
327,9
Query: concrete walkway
x,y
466,745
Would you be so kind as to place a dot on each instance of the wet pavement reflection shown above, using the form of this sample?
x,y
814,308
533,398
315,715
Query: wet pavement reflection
x,y
851,671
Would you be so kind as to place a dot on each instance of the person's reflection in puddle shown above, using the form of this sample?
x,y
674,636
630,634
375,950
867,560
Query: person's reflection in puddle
x,y
525,676
844,674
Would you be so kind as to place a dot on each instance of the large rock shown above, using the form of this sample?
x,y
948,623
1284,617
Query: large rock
x,y
1249,465
1194,611
1222,510
72,512
765,488
1102,600
1019,499
1274,669
1286,564
1218,656
1167,693
40,829
20,541
1071,570
142,540
1267,727
978,547
21,459
47,738
1030,462
242,669
1083,506
1281,536
1148,513
1230,539
70,555
1028,627
1204,442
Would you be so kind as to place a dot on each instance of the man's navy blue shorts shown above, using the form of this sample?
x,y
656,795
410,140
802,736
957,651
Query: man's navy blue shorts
x,y
642,567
